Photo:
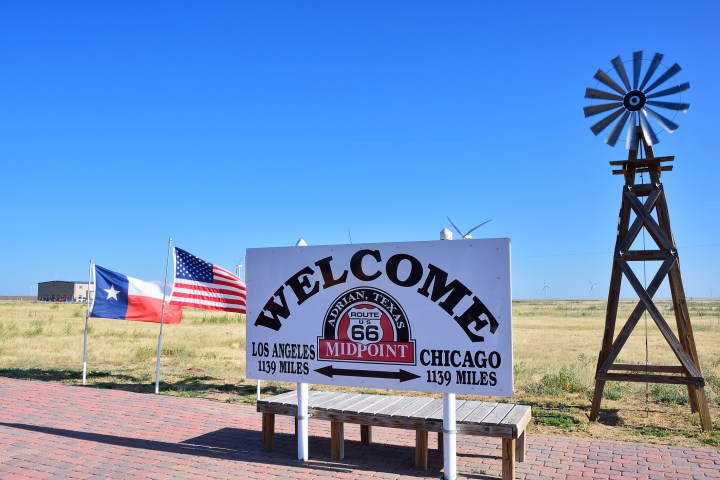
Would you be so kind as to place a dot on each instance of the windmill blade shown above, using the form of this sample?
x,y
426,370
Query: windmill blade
x,y
637,63
680,107
677,89
599,94
620,68
605,78
475,228
595,109
617,130
455,227
603,124
664,77
666,123
651,69
648,131
631,141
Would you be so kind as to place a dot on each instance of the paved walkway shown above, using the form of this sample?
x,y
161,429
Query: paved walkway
x,y
50,430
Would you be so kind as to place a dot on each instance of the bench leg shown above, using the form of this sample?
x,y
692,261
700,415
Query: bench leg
x,y
421,449
268,431
337,440
508,458
520,448
365,434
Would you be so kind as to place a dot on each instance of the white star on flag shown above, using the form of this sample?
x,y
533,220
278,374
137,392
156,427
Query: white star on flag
x,y
112,293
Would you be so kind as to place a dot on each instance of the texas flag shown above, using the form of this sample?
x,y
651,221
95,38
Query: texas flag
x,y
127,298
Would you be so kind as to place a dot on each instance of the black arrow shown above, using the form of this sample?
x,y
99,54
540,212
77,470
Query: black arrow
x,y
402,375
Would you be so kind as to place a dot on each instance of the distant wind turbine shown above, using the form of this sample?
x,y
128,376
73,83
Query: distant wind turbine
x,y
467,236
592,289
545,288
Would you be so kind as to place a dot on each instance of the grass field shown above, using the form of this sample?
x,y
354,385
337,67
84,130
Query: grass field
x,y
555,348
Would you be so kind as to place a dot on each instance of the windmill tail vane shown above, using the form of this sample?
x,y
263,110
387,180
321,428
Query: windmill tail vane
x,y
633,102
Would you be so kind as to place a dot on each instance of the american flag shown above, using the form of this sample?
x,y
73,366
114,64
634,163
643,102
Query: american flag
x,y
200,284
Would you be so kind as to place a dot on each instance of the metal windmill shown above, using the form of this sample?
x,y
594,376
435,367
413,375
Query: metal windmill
x,y
633,101
633,104
467,236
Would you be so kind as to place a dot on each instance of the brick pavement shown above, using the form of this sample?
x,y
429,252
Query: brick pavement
x,y
50,430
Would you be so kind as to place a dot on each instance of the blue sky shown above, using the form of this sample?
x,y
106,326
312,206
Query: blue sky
x,y
228,125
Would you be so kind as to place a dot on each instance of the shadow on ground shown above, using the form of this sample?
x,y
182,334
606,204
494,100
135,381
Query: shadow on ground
x,y
191,386
245,445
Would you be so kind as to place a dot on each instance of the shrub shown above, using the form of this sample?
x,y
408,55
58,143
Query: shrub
x,y
144,354
555,419
566,380
36,328
670,394
654,432
177,351
612,393
712,386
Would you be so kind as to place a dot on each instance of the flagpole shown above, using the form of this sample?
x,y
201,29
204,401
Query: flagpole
x,y
257,384
162,316
87,314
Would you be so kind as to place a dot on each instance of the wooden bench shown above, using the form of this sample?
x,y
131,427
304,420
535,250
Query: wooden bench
x,y
422,414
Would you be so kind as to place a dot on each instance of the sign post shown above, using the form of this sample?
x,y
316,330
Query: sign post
x,y
429,316
449,433
302,421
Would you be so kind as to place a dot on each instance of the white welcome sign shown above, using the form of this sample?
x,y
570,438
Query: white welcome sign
x,y
428,316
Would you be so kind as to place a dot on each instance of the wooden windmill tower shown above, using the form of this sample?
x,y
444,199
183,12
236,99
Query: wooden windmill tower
x,y
644,206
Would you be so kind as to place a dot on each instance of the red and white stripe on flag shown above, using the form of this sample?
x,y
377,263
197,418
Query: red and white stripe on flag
x,y
199,284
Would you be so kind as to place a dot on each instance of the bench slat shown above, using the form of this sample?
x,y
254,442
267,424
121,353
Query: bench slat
x,y
408,409
283,397
364,402
438,414
348,401
318,398
480,412
462,411
519,416
379,406
498,413
351,404
329,400
429,409
516,414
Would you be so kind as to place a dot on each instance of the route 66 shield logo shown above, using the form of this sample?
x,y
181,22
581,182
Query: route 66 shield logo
x,y
364,324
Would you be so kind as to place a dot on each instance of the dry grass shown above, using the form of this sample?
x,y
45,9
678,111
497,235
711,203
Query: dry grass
x,y
203,356
555,348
